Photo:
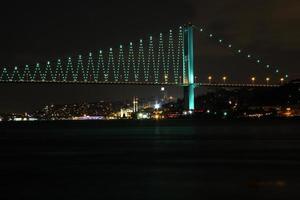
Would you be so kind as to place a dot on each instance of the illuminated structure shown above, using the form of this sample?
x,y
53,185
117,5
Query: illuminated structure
x,y
135,104
165,60
151,62
126,113
188,76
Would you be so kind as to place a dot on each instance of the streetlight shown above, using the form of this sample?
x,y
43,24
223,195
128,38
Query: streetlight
x,y
253,80
281,80
224,79
268,80
209,79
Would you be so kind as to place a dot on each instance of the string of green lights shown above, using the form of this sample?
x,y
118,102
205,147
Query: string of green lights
x,y
151,61
240,52
157,60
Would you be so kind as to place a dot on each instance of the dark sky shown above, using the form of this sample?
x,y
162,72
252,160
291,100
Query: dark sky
x,y
39,31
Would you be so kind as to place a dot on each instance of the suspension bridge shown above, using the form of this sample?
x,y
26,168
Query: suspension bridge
x,y
168,59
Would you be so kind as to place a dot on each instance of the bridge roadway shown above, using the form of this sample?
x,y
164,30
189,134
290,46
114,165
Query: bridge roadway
x,y
225,85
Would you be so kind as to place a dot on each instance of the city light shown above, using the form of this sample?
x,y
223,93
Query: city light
x,y
224,79
157,106
253,80
209,79
281,80
162,89
143,116
268,80
156,117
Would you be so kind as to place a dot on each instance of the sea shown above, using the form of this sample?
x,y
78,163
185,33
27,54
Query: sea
x,y
165,160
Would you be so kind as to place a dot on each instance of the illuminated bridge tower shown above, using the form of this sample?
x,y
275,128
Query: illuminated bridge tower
x,y
188,68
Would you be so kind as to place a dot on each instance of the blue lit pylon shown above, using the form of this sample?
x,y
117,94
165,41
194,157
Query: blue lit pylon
x,y
188,68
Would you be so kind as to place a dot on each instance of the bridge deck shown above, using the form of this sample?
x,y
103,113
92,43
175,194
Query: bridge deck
x,y
143,83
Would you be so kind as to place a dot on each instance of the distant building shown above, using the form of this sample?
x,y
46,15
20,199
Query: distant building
x,y
126,113
135,104
291,111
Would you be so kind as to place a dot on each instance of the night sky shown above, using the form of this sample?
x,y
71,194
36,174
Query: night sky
x,y
47,30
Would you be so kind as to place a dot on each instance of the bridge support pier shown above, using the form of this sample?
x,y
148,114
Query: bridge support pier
x,y
189,97
188,69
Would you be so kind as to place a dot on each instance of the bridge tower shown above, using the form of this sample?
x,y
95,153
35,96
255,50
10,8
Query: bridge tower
x,y
188,68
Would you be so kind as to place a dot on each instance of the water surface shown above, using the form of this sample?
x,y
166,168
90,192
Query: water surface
x,y
150,160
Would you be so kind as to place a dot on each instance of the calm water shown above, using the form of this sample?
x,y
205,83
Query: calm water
x,y
150,160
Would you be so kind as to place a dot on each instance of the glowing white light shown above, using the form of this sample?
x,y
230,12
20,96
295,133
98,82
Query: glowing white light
x,y
157,106
162,89
140,115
